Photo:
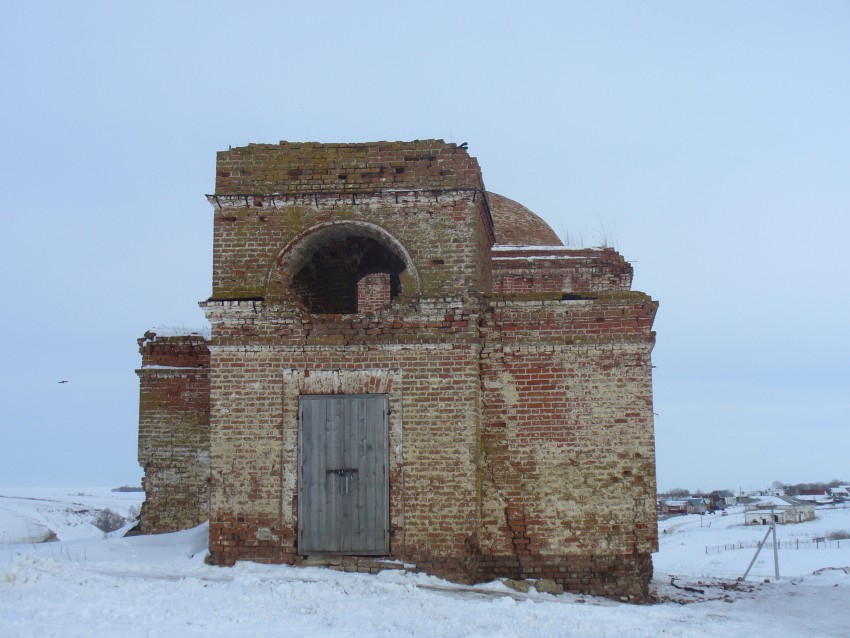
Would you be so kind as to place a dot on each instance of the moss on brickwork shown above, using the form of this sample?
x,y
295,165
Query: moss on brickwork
x,y
298,168
174,440
632,296
434,232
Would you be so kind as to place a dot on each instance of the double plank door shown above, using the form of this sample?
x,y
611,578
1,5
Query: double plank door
x,y
343,486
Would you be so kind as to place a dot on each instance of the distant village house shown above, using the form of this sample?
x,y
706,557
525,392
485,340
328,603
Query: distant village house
x,y
786,509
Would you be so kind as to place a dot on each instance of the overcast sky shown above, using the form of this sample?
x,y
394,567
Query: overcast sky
x,y
710,142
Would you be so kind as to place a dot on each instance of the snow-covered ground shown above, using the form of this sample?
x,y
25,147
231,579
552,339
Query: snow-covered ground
x,y
89,585
34,514
684,539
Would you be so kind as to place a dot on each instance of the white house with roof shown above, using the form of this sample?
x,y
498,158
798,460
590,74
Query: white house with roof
x,y
786,509
841,493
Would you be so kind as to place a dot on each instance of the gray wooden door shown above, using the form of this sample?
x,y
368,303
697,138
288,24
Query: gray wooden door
x,y
343,487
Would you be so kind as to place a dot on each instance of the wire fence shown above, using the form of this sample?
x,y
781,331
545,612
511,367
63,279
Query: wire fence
x,y
792,544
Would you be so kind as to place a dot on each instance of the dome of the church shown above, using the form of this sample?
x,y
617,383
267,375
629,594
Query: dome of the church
x,y
515,225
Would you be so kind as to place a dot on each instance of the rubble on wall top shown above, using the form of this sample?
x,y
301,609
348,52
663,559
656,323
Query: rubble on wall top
x,y
553,249
295,167
166,332
506,252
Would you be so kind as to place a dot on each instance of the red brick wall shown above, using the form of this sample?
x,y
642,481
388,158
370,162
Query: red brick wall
x,y
568,442
174,407
523,271
434,396
179,351
249,242
260,209
521,436
373,292
332,168
526,434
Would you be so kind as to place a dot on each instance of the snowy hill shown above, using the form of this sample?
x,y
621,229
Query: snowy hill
x,y
37,514
87,585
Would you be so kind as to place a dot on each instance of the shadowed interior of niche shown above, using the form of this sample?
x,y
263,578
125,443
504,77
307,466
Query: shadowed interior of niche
x,y
347,275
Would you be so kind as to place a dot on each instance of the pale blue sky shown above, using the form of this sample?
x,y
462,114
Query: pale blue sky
x,y
709,140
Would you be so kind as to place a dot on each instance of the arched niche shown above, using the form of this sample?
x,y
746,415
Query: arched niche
x,y
342,267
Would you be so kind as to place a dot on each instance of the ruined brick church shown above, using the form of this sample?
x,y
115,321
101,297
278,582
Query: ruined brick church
x,y
404,367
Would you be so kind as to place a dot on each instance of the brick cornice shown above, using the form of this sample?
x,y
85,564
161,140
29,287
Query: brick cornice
x,y
321,198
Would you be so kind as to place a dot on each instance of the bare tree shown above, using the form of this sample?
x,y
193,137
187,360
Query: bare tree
x,y
108,521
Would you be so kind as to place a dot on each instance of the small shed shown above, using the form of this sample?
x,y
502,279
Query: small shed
x,y
786,509
674,506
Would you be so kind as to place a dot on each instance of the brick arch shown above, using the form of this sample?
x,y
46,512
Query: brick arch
x,y
300,250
